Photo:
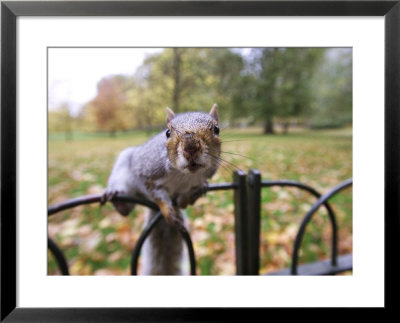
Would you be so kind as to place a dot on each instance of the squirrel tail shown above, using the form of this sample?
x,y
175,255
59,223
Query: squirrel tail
x,y
163,252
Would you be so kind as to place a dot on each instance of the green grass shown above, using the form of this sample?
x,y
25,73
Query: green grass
x,y
99,241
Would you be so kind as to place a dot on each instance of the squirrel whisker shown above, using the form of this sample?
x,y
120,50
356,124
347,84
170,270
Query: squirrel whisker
x,y
226,169
228,165
233,140
236,154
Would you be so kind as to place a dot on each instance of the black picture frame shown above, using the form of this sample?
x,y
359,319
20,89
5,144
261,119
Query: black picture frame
x,y
10,10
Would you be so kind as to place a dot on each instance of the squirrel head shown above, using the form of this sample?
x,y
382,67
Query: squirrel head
x,y
193,142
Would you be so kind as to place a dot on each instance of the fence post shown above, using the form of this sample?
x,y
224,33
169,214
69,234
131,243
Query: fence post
x,y
253,220
241,239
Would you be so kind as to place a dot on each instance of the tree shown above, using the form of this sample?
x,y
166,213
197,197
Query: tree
x,y
332,105
177,78
226,84
60,120
109,105
284,85
265,85
193,78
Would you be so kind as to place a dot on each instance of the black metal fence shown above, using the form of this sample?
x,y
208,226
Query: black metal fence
x,y
247,211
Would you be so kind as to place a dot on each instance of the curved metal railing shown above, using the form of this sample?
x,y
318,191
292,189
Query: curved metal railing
x,y
96,198
136,251
255,185
332,218
323,200
247,201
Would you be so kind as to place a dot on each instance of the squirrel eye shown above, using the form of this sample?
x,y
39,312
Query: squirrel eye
x,y
216,129
168,133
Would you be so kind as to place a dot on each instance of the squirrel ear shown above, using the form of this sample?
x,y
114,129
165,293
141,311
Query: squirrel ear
x,y
213,112
170,114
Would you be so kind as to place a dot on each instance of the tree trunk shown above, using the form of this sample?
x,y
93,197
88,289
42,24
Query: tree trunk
x,y
177,80
285,126
268,126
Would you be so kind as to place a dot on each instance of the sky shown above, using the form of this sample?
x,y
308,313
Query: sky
x,y
73,73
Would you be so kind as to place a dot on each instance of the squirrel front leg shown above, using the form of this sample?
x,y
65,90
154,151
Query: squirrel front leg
x,y
170,211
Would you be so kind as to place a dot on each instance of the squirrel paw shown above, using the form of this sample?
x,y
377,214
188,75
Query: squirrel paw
x,y
173,217
107,196
123,208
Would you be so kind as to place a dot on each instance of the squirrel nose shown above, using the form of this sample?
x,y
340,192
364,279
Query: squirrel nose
x,y
190,148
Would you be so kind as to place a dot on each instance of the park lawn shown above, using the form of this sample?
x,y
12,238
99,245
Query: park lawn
x,y
98,241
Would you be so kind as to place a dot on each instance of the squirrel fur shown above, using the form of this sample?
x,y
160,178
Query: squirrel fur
x,y
171,169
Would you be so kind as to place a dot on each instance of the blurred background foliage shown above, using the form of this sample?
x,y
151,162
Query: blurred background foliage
x,y
261,86
284,111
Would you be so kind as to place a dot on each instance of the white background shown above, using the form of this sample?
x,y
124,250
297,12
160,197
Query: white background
x,y
364,288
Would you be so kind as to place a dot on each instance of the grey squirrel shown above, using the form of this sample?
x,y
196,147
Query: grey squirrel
x,y
171,169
